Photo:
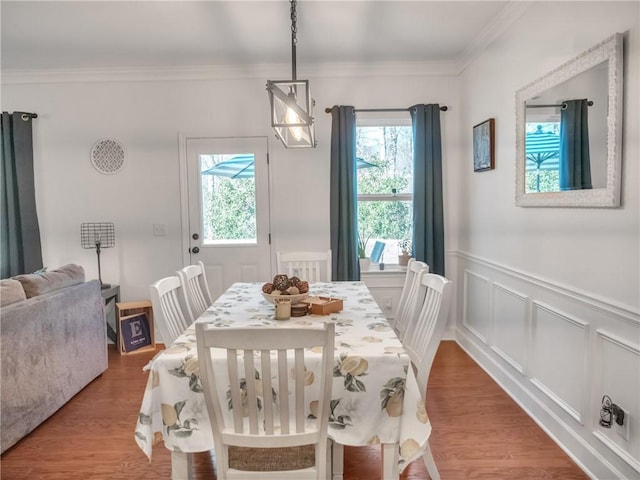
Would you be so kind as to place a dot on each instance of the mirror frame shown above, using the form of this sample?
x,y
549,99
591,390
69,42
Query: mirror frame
x,y
607,50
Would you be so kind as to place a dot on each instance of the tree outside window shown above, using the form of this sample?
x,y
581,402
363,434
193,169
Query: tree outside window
x,y
385,191
228,205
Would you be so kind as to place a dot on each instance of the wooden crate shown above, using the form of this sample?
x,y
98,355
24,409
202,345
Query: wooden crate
x,y
323,305
125,311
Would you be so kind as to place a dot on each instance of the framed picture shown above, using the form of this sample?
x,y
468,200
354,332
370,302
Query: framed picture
x,y
135,332
484,145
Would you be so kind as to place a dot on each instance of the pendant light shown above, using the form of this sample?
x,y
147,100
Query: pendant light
x,y
291,102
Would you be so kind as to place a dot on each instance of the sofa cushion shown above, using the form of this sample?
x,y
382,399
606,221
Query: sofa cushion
x,y
38,283
11,291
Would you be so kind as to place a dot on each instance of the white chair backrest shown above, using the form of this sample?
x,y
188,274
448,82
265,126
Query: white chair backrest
x,y
309,266
409,302
194,283
170,308
270,411
423,338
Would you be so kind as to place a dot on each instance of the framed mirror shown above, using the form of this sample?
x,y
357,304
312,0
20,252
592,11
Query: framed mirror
x,y
568,132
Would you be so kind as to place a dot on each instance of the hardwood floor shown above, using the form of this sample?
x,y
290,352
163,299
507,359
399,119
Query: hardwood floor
x,y
478,433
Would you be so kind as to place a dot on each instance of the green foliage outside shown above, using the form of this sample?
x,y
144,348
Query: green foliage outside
x,y
228,205
391,149
548,181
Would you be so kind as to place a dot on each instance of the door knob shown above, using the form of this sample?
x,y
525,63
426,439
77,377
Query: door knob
x,y
195,250
195,236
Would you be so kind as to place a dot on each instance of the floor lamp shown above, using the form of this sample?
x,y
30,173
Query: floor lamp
x,y
98,236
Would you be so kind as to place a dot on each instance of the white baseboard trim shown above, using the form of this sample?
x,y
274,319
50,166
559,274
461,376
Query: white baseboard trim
x,y
594,464
449,333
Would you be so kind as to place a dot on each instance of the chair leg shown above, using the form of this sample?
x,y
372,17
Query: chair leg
x,y
337,468
181,464
427,458
390,457
329,460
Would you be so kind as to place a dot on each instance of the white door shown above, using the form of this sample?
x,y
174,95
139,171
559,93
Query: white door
x,y
228,209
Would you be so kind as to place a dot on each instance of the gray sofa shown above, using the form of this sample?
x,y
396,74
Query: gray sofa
x,y
51,345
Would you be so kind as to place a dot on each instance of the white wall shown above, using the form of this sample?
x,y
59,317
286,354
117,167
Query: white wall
x,y
549,297
146,116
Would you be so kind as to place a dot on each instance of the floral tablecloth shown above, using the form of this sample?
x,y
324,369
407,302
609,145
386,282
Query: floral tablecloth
x,y
375,397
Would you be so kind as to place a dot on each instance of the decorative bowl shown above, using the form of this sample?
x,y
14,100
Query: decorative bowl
x,y
294,298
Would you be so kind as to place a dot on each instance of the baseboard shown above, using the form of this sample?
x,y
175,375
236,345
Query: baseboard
x,y
592,462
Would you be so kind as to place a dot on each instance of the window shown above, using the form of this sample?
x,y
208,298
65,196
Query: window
x,y
543,154
384,151
228,199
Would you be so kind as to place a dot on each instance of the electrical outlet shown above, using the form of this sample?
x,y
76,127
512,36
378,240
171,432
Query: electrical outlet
x,y
623,430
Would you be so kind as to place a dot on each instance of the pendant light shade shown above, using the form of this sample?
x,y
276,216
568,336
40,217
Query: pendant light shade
x,y
291,112
291,103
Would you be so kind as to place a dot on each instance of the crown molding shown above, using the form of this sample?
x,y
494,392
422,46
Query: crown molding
x,y
505,18
133,74
225,72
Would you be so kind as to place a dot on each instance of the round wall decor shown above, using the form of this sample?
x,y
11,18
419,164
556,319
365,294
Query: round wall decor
x,y
107,156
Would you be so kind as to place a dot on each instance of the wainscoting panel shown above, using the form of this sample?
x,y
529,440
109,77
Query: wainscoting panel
x,y
619,358
559,358
477,300
556,351
509,319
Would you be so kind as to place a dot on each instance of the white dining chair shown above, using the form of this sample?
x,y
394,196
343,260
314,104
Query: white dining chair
x,y
196,287
309,266
269,427
409,298
423,338
170,308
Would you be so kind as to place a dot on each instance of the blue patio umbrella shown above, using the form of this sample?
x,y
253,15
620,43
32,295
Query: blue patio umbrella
x,y
542,150
362,163
242,166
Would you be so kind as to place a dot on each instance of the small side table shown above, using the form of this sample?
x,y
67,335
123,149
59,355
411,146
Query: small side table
x,y
111,296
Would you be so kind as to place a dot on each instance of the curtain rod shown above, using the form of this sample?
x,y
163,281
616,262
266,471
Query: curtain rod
x,y
562,105
444,108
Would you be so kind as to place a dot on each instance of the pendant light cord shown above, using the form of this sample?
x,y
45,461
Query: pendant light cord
x,y
294,39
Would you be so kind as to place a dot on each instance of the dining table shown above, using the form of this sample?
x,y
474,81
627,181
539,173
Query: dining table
x,y
375,397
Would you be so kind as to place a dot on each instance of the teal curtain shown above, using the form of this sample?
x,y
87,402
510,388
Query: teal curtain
x,y
428,216
20,250
343,192
575,164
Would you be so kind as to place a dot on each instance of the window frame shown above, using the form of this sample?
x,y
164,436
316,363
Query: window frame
x,y
385,119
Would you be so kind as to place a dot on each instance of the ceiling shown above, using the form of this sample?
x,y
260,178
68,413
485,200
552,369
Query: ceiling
x,y
92,34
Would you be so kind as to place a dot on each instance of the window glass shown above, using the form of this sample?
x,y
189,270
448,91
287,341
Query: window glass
x,y
543,153
228,197
384,154
384,159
